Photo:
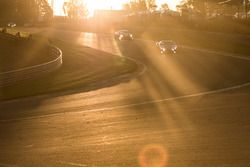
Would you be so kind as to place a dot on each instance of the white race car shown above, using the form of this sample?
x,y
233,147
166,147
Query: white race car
x,y
11,24
167,46
123,35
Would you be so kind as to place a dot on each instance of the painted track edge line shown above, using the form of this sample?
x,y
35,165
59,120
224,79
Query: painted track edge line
x,y
135,104
145,102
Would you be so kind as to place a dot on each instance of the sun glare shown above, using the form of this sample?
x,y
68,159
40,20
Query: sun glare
x,y
93,5
104,5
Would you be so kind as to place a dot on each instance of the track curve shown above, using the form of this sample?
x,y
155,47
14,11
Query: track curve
x,y
190,115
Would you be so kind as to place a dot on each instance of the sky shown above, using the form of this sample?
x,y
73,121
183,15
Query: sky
x,y
108,4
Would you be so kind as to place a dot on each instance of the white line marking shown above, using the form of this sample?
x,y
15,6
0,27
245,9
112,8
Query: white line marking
x,y
219,53
206,50
135,104
145,102
7,165
71,163
145,68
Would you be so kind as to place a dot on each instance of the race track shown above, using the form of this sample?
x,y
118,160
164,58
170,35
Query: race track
x,y
190,109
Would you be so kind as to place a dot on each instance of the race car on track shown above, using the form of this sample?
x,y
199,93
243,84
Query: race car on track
x,y
123,35
167,46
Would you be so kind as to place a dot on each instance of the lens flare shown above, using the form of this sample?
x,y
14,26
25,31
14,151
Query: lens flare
x,y
153,156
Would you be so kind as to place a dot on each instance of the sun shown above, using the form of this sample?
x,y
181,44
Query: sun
x,y
104,5
93,5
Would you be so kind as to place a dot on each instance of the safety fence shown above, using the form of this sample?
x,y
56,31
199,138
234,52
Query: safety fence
x,y
11,77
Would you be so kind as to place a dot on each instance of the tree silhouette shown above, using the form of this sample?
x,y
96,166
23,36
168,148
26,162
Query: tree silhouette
x,y
139,5
202,5
164,7
25,10
75,9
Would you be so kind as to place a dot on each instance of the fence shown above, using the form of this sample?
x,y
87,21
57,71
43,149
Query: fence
x,y
11,77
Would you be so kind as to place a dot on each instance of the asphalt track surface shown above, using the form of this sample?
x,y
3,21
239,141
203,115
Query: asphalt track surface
x,y
190,109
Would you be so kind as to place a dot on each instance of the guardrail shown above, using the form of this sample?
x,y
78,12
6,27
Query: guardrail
x,y
11,77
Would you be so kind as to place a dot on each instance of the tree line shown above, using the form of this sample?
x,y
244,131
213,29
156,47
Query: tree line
x,y
25,10
201,6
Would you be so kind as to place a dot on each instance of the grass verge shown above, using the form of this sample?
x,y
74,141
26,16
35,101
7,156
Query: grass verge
x,y
14,31
16,54
83,69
